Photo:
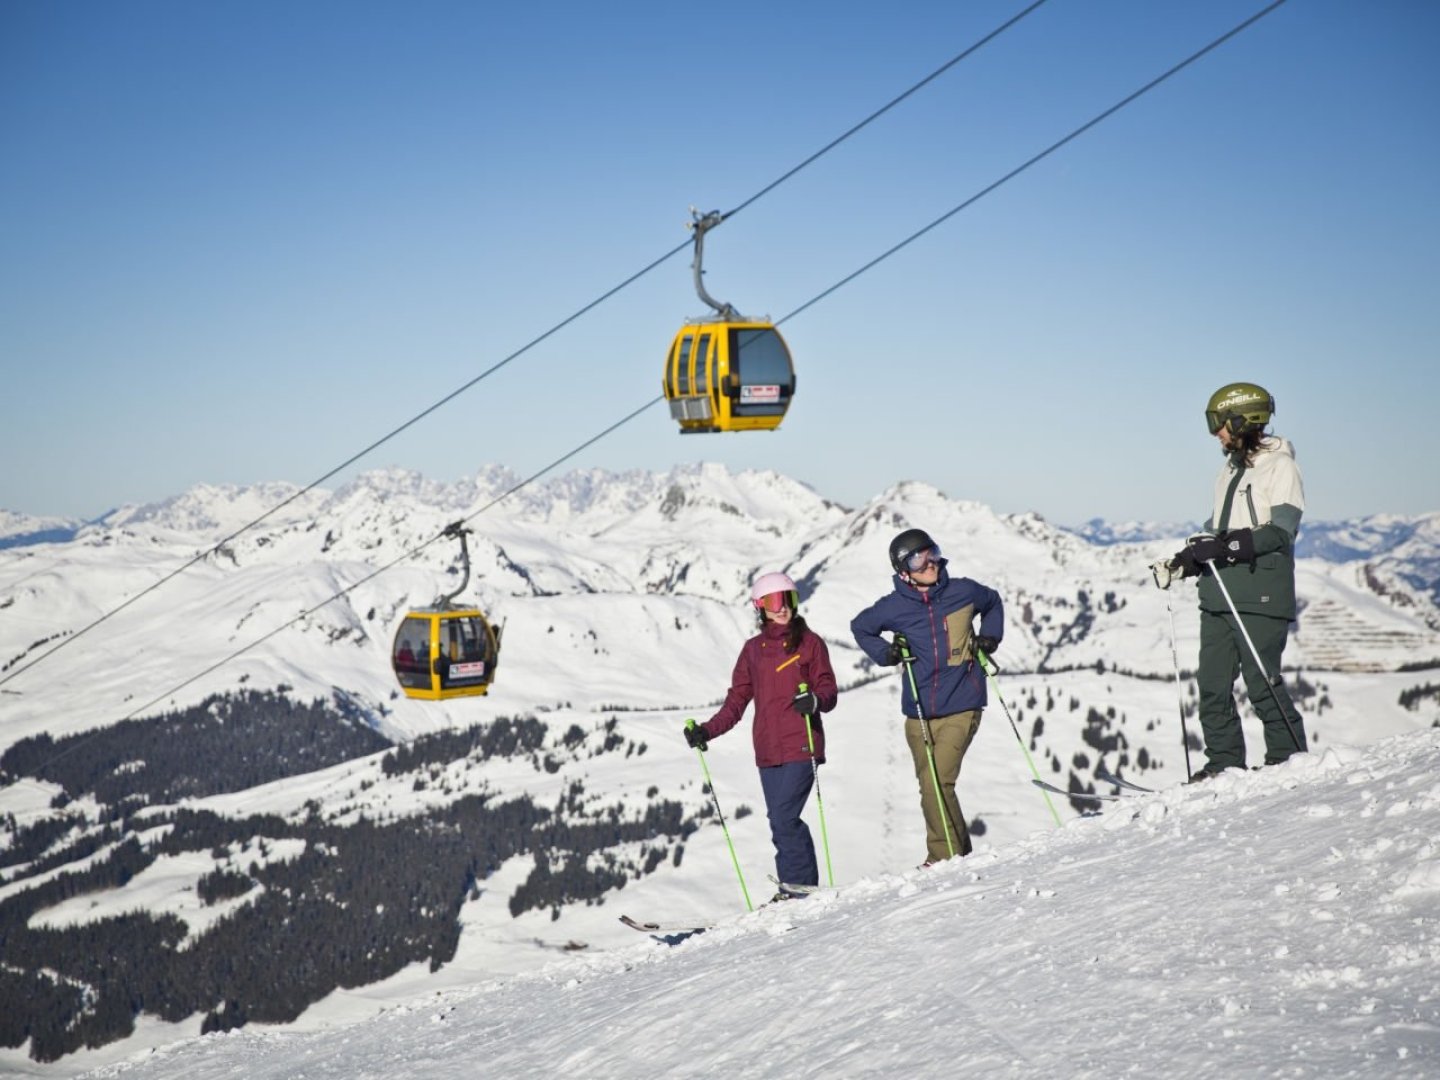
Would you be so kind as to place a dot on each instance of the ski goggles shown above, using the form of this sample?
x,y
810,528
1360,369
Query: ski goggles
x,y
917,561
776,600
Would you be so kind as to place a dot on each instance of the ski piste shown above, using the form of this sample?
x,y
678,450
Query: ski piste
x,y
664,928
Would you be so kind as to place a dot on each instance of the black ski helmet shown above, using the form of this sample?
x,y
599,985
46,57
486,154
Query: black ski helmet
x,y
906,544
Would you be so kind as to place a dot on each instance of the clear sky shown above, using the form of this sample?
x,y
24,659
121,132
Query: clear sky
x,y
241,241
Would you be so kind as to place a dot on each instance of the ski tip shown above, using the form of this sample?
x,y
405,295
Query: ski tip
x,y
1084,795
662,929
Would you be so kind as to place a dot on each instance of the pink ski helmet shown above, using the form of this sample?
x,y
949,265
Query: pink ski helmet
x,y
771,584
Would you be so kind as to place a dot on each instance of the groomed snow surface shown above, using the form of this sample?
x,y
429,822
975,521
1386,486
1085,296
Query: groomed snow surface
x,y
1275,923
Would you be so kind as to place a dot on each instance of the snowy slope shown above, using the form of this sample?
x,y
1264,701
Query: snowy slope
x,y
1278,923
624,599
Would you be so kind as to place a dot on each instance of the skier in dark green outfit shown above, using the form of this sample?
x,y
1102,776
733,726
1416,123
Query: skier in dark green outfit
x,y
1245,615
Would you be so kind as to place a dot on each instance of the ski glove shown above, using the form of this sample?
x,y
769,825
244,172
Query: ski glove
x,y
894,656
1205,548
1239,545
805,703
1226,549
696,737
1191,559
987,644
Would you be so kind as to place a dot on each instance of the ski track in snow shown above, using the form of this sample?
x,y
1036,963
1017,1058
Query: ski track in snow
x,y
1278,923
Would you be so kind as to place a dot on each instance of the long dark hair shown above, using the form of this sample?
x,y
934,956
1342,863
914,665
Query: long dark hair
x,y
1246,445
794,631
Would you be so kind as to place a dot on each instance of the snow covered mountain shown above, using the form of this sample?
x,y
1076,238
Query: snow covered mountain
x,y
217,757
18,530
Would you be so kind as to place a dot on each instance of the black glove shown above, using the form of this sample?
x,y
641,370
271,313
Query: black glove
x,y
805,702
987,644
1184,565
1239,545
894,655
1235,546
1203,549
696,737
1191,559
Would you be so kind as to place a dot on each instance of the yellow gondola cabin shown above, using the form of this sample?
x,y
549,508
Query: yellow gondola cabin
x,y
442,653
726,372
445,650
729,376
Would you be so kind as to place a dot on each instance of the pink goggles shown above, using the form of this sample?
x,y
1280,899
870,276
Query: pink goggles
x,y
776,600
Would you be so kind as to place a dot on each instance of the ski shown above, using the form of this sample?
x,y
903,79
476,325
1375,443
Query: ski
x,y
664,928
804,890
1076,794
1105,776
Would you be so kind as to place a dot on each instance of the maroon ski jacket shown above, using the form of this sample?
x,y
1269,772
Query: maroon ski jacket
x,y
768,675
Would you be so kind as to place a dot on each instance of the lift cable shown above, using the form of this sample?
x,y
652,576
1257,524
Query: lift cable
x,y
1037,158
1110,111
443,534
886,107
313,484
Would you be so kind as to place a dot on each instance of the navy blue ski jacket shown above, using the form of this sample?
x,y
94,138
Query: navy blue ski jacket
x,y
940,627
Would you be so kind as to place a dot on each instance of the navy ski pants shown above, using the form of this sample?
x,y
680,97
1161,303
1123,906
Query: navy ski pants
x,y
786,788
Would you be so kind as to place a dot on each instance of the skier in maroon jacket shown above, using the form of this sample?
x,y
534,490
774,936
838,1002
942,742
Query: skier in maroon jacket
x,y
772,666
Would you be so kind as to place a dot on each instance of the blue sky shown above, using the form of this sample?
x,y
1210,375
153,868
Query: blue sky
x,y
241,241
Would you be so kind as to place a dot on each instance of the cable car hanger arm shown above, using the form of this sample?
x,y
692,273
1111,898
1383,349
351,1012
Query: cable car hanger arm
x,y
457,530
700,225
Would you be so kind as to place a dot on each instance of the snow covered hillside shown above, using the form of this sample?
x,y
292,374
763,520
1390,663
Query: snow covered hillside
x,y
193,773
1280,923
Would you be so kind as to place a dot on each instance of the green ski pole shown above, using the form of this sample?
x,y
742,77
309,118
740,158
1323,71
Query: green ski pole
x,y
929,744
989,667
690,724
819,802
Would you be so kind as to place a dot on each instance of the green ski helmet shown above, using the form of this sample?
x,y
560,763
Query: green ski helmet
x,y
1239,406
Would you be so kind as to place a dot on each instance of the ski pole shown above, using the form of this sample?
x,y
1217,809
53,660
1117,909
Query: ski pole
x,y
690,724
819,801
1179,692
1254,652
986,664
904,644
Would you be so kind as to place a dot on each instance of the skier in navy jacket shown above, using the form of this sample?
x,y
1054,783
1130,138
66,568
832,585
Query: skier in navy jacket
x,y
932,617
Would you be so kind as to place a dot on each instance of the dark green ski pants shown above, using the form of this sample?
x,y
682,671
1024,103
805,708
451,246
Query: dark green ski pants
x,y
1223,655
